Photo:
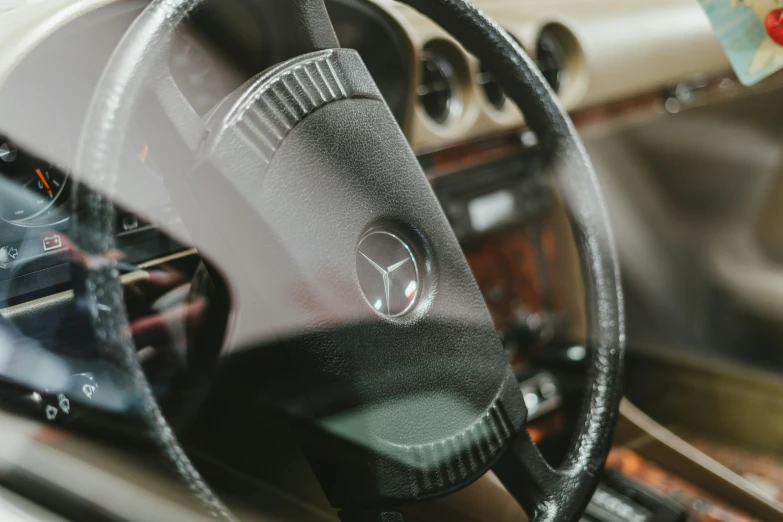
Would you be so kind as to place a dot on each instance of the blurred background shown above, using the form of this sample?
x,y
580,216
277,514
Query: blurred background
x,y
691,167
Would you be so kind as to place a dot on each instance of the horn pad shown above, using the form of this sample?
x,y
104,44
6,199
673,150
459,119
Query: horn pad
x,y
394,376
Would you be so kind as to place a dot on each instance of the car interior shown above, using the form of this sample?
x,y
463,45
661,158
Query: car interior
x,y
386,261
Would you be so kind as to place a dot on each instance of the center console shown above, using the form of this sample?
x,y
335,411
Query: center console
x,y
511,225
513,228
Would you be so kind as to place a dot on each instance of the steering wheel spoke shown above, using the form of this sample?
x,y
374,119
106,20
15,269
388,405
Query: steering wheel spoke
x,y
178,111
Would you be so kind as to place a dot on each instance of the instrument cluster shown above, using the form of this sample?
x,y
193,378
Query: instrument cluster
x,y
33,189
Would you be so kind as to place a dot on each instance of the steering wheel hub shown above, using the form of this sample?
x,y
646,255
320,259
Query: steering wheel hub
x,y
411,404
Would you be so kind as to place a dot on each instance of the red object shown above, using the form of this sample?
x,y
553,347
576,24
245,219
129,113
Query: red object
x,y
774,25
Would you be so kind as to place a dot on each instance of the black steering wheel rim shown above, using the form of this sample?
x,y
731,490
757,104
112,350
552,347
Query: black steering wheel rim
x,y
547,494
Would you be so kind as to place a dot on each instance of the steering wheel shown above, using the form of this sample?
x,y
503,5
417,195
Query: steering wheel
x,y
393,375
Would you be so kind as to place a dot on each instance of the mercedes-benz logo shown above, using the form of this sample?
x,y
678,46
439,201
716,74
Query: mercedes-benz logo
x,y
388,273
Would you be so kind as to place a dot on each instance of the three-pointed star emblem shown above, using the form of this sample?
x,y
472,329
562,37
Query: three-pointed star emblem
x,y
388,273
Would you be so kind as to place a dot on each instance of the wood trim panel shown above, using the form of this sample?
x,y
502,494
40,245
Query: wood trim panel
x,y
640,433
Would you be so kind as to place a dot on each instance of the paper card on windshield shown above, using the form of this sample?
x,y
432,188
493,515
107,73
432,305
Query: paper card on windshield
x,y
751,32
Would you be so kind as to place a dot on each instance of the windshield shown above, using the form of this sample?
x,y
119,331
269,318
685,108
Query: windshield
x,y
265,264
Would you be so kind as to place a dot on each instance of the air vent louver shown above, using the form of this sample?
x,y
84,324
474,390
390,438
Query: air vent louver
x,y
438,86
551,58
492,90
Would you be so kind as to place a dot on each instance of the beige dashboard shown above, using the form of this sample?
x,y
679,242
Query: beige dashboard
x,y
614,49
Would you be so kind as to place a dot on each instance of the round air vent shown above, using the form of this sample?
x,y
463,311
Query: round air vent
x,y
492,90
439,87
551,56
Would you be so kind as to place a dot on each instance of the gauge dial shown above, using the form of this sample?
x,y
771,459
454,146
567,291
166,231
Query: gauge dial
x,y
30,186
